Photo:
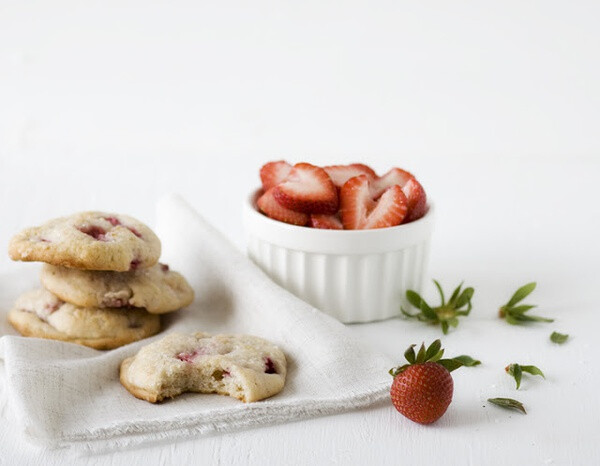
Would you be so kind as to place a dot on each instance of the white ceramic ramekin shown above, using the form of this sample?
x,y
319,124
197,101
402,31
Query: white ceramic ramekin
x,y
353,275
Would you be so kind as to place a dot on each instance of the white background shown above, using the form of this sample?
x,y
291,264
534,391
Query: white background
x,y
495,107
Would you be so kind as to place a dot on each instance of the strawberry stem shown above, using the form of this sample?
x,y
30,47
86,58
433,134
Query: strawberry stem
x,y
432,353
447,313
517,315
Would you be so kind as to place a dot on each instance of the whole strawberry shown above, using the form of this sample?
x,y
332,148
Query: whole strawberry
x,y
422,389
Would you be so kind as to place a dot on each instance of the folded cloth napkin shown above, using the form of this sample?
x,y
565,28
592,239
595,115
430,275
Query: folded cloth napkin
x,y
68,395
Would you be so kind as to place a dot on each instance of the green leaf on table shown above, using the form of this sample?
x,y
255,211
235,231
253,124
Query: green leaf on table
x,y
533,370
516,371
559,338
521,294
508,403
517,315
447,313
440,291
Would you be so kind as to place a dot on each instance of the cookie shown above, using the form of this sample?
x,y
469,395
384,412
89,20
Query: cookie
x,y
241,366
157,289
40,314
89,241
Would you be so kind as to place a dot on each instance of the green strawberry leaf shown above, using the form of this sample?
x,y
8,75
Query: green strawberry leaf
x,y
407,314
450,364
516,371
521,309
559,338
508,403
432,353
533,370
436,357
465,297
447,313
453,322
528,318
414,298
394,371
440,291
455,294
521,294
433,349
421,354
467,360
516,315
409,354
511,320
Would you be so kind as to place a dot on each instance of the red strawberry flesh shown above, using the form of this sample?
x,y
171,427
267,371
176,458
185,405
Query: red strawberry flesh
x,y
417,200
114,302
326,222
134,264
96,232
135,232
395,176
359,211
307,189
355,202
113,221
269,366
273,209
390,210
273,173
187,356
339,174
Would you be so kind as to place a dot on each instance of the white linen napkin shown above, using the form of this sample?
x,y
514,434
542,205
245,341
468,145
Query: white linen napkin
x,y
63,394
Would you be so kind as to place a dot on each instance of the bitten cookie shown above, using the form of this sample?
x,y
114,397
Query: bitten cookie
x,y
242,366
157,289
40,314
90,241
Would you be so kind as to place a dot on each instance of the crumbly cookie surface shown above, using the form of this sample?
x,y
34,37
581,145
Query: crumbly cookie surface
x,y
90,241
156,289
245,367
39,313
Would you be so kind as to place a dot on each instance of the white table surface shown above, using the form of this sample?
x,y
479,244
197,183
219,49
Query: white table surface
x,y
495,107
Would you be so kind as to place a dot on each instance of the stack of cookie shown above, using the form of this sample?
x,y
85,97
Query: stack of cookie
x,y
103,285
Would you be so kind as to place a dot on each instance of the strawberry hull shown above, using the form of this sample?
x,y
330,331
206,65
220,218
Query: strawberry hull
x,y
353,275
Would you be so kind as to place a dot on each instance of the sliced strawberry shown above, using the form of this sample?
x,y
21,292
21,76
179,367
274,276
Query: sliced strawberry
x,y
271,208
359,211
339,174
390,210
417,200
365,168
395,176
326,222
355,201
307,189
273,173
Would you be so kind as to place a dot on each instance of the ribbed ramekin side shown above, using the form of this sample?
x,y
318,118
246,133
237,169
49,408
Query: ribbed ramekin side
x,y
350,287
